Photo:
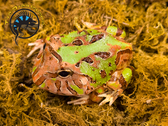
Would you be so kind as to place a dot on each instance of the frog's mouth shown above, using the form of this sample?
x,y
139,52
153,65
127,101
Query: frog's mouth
x,y
65,73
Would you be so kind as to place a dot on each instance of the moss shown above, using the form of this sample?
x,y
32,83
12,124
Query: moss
x,y
144,102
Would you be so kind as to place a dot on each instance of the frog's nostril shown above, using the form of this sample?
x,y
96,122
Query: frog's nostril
x,y
64,73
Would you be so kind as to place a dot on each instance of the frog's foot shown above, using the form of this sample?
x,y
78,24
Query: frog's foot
x,y
80,101
109,97
37,45
85,24
89,25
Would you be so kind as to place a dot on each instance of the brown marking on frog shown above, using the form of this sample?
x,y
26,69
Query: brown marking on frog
x,y
77,64
63,86
123,82
77,42
96,62
58,85
65,44
55,54
88,60
51,75
123,58
40,80
119,32
80,38
70,89
96,38
103,73
76,52
109,64
36,70
103,55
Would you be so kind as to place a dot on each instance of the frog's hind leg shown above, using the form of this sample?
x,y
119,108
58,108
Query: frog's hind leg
x,y
89,26
94,26
118,83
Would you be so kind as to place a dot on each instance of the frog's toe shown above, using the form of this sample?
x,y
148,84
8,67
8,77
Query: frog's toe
x,y
37,45
108,98
88,24
80,101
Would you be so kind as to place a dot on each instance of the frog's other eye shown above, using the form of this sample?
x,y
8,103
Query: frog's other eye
x,y
64,73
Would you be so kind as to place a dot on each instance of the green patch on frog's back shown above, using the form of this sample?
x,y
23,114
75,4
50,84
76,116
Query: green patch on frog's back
x,y
74,54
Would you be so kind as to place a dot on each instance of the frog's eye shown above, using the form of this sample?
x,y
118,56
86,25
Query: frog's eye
x,y
64,73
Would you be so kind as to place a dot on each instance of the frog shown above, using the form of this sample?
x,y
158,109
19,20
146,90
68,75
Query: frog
x,y
92,64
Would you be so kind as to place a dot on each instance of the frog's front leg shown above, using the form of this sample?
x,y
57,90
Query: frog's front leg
x,y
118,83
83,100
90,98
37,45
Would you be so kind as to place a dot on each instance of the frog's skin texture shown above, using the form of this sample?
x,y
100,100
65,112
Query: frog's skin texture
x,y
92,64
